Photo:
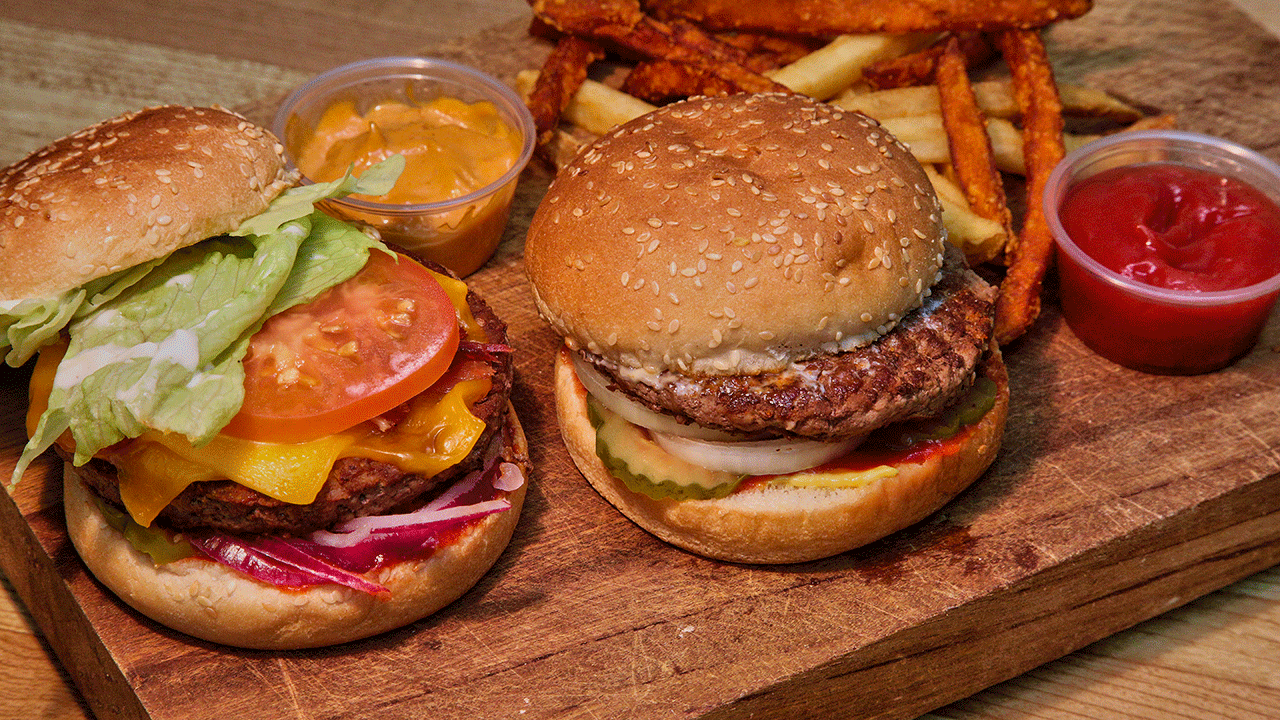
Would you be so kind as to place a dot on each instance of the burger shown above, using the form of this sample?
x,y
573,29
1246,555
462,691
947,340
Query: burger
x,y
276,432
771,353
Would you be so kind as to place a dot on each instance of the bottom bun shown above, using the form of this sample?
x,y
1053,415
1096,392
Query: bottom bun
x,y
772,524
213,602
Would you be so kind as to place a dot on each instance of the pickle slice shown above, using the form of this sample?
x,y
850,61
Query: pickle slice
x,y
630,455
152,541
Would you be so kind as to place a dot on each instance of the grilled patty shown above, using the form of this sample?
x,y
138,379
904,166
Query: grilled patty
x,y
355,487
916,370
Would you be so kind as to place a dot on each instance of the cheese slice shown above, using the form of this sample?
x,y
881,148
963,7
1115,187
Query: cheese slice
x,y
155,468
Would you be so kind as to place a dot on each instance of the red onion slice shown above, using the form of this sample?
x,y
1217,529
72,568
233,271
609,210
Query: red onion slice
x,y
275,562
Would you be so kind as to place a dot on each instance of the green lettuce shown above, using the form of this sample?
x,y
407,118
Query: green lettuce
x,y
160,347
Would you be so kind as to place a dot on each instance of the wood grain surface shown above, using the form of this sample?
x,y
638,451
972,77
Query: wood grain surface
x,y
1119,496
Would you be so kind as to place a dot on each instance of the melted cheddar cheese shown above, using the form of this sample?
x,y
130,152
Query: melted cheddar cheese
x,y
438,431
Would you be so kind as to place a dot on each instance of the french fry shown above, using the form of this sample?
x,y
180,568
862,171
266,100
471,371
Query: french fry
x,y
967,140
995,98
562,74
917,68
596,107
982,240
1018,303
826,71
925,136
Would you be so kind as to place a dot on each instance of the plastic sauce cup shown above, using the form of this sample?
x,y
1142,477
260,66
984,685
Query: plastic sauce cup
x,y
1145,327
460,233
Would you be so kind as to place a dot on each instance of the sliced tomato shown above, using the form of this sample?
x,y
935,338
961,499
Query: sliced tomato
x,y
358,350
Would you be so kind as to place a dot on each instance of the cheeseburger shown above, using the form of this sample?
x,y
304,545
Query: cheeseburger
x,y
771,353
276,432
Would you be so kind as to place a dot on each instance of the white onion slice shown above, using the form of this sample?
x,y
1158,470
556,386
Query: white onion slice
x,y
637,414
510,477
361,528
779,456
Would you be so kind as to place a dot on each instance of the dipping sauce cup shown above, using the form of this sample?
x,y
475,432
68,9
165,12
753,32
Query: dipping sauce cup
x,y
1118,307
466,138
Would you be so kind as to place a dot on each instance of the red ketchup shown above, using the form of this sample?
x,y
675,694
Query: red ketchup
x,y
1192,237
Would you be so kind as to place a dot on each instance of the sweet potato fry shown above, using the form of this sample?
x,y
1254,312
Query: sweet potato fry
x,y
562,74
917,68
596,108
622,24
1018,303
967,140
837,17
766,51
661,81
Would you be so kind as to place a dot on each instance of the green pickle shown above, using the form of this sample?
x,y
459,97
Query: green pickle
x,y
153,541
630,455
969,410
634,459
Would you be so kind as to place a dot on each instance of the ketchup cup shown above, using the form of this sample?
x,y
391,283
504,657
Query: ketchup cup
x,y
1139,325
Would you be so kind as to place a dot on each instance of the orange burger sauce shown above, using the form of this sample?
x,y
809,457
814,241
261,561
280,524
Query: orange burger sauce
x,y
451,149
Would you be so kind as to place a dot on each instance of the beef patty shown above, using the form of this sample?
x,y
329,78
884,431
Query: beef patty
x,y
355,487
915,371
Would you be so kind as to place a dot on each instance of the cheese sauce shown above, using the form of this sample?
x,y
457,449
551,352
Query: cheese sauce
x,y
453,150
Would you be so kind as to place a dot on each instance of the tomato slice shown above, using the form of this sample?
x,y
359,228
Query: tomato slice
x,y
358,350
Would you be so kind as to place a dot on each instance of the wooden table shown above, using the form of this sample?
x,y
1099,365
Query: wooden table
x,y
67,65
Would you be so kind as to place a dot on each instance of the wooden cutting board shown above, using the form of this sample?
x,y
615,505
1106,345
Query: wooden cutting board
x,y
1117,496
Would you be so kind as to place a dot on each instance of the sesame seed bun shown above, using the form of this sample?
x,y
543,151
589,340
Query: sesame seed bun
x,y
106,198
779,524
734,235
215,603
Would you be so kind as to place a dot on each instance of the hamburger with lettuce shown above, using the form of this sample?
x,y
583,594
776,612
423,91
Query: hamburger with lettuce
x,y
275,431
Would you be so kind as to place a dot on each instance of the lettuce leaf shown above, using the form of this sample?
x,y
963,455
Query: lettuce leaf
x,y
160,347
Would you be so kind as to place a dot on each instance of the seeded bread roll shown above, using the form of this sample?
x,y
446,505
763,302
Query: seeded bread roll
x,y
73,211
693,240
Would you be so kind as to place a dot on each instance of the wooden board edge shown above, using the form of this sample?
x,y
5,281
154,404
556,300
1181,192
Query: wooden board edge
x,y
49,599
1045,617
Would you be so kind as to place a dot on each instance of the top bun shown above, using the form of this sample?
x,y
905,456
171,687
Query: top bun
x,y
735,235
128,190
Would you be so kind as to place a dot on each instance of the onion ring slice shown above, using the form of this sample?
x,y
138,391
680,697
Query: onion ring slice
x,y
635,413
779,456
